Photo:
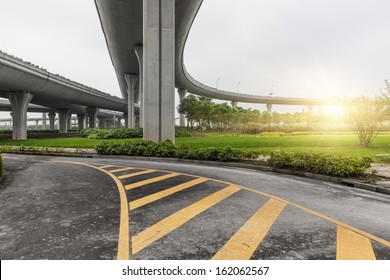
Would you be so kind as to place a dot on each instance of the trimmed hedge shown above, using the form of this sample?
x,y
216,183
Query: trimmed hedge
x,y
319,163
37,134
122,133
168,150
112,133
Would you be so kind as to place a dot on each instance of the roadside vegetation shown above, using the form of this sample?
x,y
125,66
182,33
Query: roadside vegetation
x,y
326,164
341,144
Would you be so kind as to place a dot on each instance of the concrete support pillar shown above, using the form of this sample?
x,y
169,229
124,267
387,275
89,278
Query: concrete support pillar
x,y
139,51
102,123
63,120
19,104
52,117
81,121
125,116
132,86
44,119
118,121
269,108
159,70
36,123
234,104
69,121
92,115
182,94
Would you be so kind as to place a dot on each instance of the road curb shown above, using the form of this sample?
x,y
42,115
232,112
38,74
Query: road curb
x,y
338,180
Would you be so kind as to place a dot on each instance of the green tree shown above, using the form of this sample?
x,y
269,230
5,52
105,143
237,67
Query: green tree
x,y
367,116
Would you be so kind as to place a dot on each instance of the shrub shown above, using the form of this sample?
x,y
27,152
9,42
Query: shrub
x,y
115,133
168,150
122,133
327,164
182,132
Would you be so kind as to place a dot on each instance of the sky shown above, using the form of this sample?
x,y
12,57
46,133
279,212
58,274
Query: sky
x,y
292,48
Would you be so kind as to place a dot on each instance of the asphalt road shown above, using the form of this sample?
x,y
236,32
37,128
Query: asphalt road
x,y
113,208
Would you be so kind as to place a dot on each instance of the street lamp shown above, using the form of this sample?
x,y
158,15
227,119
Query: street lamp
x,y
216,82
271,93
238,83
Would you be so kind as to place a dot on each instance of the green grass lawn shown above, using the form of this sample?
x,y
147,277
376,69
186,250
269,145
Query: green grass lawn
x,y
341,144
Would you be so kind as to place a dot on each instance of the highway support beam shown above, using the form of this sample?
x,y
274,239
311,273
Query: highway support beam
x,y
132,86
159,70
92,115
139,52
269,108
125,117
19,104
52,117
44,118
81,121
234,104
63,120
182,94
69,124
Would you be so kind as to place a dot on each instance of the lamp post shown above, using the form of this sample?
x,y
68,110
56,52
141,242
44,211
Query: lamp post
x,y
271,93
238,83
216,82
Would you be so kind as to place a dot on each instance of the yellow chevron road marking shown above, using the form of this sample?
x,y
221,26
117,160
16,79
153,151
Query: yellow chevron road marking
x,y
149,181
353,246
159,195
246,240
167,225
135,174
122,169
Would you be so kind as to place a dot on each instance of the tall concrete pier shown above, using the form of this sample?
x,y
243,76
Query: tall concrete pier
x,y
19,103
159,70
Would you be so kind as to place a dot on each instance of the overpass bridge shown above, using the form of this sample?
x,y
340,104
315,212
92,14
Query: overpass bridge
x,y
23,83
105,118
146,41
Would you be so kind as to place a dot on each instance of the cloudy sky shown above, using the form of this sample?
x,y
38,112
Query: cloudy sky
x,y
317,48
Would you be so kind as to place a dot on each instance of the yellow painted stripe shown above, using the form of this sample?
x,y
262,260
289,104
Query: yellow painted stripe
x,y
149,181
353,246
167,225
337,222
105,166
244,242
122,169
136,174
159,195
124,231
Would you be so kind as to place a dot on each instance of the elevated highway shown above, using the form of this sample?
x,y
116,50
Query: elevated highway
x,y
23,83
139,34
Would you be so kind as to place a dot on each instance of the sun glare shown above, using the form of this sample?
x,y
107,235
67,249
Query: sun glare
x,y
333,110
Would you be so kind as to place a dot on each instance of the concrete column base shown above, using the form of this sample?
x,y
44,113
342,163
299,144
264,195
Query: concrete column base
x,y
63,120
52,117
132,86
81,121
139,51
92,115
19,104
269,108
69,124
44,118
126,120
